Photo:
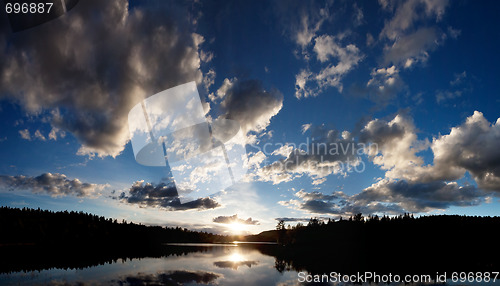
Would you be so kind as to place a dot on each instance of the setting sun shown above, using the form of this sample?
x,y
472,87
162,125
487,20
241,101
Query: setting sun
x,y
237,228
236,257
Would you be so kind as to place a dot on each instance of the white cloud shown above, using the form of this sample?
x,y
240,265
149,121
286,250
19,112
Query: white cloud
x,y
327,49
221,92
284,151
54,132
384,85
39,135
394,145
472,146
25,134
306,127
209,79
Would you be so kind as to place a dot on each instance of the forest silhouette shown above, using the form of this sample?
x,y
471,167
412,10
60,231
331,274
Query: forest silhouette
x,y
401,243
34,239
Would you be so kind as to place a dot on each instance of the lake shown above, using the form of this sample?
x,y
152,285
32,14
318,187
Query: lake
x,y
188,264
184,264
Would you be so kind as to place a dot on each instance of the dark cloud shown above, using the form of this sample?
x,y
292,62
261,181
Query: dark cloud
x,y
420,197
392,197
235,219
247,102
413,48
235,264
52,184
329,152
163,196
292,219
176,277
91,65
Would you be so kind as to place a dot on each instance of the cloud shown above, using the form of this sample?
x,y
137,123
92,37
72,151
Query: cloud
x,y
418,197
384,85
327,48
249,103
162,196
394,146
301,20
329,153
455,90
410,49
473,147
470,147
39,135
92,65
284,150
235,264
25,134
406,45
411,186
407,13
55,132
390,197
293,219
221,92
443,95
55,185
458,78
174,277
235,219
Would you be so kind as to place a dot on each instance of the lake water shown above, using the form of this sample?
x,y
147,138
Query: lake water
x,y
199,264
185,264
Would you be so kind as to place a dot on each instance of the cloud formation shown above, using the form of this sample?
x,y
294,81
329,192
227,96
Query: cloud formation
x,y
473,147
470,147
340,58
390,197
331,152
55,185
247,102
235,219
162,196
174,277
411,186
90,66
407,13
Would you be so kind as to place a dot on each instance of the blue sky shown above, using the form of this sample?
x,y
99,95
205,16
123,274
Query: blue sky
x,y
412,85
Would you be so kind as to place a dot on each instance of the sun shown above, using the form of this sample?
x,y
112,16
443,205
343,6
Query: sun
x,y
236,257
237,227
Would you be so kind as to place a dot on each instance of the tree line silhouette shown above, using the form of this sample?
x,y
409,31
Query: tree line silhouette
x,y
39,239
35,226
404,243
34,239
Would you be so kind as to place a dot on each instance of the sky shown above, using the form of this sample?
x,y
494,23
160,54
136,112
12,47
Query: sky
x,y
344,107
